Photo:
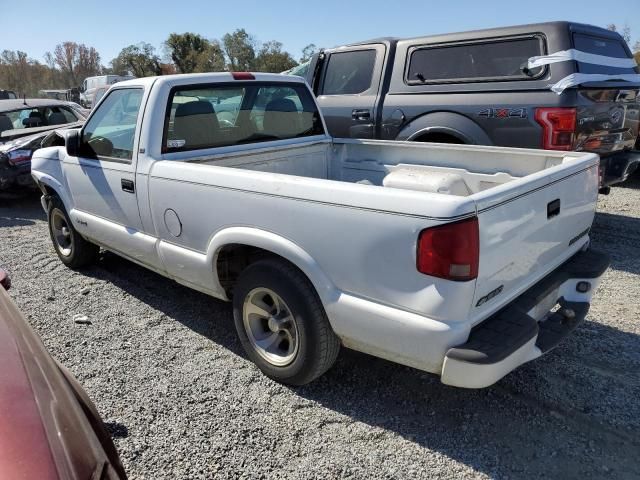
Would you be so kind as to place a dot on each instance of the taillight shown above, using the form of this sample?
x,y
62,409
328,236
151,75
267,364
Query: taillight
x,y
450,251
600,175
17,157
243,76
558,127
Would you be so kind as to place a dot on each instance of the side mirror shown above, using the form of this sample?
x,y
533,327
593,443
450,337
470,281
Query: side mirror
x,y
72,142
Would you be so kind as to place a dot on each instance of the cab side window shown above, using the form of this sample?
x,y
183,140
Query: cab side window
x,y
109,133
349,73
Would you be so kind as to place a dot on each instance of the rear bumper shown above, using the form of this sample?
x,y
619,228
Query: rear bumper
x,y
12,177
617,167
519,333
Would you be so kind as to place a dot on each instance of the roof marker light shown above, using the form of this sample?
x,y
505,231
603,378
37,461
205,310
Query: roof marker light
x,y
243,76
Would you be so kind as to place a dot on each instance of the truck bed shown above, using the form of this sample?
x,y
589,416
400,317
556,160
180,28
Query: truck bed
x,y
411,166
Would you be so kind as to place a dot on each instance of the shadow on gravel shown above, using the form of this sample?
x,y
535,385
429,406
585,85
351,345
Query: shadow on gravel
x,y
201,313
20,212
618,235
116,430
537,422
541,421
632,182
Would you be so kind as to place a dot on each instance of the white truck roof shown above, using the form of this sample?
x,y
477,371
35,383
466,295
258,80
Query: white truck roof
x,y
220,77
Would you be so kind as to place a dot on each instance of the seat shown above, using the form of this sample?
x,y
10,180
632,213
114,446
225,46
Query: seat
x,y
35,120
197,124
281,118
5,123
56,118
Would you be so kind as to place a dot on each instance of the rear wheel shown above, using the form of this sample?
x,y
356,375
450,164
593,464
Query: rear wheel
x,y
72,249
281,323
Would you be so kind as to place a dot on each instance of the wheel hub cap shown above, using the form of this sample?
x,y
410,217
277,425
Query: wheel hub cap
x,y
61,233
270,326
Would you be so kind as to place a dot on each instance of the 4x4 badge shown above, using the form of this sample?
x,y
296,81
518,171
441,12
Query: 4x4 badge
x,y
503,113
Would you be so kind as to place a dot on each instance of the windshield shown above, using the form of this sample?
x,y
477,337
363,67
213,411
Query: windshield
x,y
299,70
32,117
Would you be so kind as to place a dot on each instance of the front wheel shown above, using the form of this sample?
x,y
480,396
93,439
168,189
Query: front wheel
x,y
71,247
282,324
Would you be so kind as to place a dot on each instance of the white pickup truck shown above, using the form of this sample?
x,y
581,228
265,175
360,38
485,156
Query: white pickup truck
x,y
464,261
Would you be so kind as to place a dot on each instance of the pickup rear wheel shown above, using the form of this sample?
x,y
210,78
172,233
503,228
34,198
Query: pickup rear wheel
x,y
71,247
282,324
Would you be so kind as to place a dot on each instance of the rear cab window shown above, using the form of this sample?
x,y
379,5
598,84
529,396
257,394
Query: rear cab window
x,y
222,115
491,60
608,47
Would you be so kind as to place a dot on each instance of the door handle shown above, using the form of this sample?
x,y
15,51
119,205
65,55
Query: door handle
x,y
363,114
553,208
128,185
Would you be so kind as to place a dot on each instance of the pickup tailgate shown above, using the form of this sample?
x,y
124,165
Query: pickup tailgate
x,y
607,115
607,119
530,226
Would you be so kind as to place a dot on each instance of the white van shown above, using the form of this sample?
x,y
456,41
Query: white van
x,y
91,84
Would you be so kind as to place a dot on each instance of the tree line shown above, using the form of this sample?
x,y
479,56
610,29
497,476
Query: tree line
x,y
70,63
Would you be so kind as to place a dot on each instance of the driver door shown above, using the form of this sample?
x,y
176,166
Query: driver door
x,y
102,178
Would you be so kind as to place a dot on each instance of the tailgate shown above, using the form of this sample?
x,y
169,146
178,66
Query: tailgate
x,y
607,114
529,227
607,119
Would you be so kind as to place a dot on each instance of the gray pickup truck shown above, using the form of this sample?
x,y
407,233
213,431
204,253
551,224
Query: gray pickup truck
x,y
556,85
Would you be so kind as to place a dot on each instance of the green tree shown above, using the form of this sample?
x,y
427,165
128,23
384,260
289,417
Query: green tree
x,y
308,52
140,60
76,62
188,51
240,49
26,76
212,59
271,58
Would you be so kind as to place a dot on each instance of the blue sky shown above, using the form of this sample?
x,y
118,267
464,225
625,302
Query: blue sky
x,y
35,26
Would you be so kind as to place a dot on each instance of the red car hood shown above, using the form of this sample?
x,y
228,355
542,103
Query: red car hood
x,y
24,447
49,429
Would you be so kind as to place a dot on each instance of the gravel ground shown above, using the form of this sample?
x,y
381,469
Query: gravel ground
x,y
163,365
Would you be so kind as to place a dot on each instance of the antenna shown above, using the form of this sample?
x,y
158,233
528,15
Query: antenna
x,y
24,98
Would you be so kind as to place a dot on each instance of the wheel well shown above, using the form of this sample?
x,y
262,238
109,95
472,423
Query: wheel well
x,y
439,137
232,259
47,190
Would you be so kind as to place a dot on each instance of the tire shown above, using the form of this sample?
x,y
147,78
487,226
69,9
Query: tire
x,y
72,249
275,304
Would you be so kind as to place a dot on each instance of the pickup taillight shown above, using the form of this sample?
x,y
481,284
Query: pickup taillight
x,y
558,127
19,157
450,251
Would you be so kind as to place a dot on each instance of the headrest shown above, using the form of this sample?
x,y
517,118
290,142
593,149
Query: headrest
x,y
199,107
